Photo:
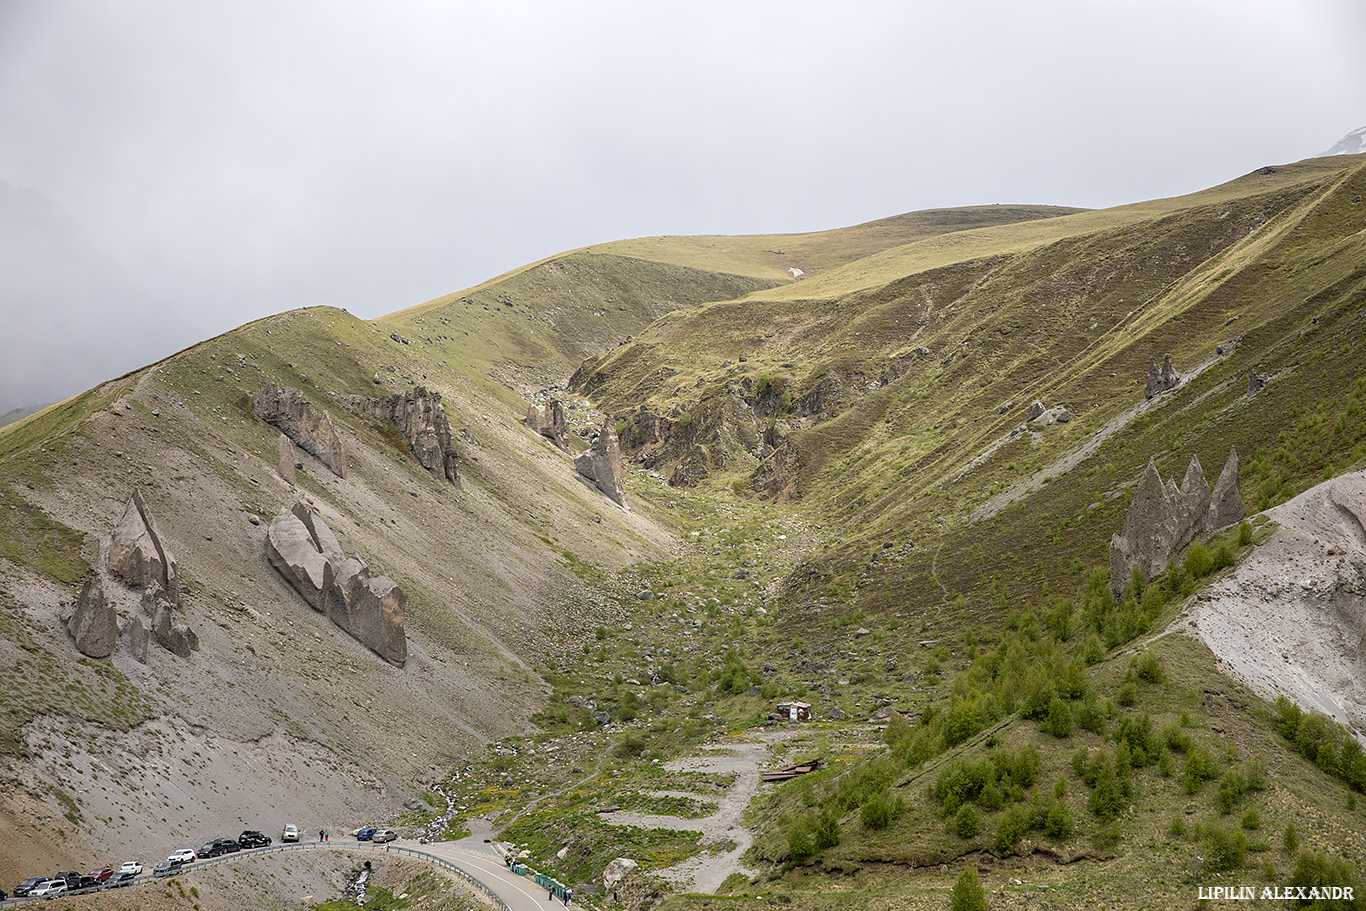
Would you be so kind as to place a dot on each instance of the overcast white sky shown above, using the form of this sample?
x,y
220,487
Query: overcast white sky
x,y
242,158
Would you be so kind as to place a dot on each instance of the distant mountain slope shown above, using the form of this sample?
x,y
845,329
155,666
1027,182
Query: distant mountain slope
x,y
71,318
1354,143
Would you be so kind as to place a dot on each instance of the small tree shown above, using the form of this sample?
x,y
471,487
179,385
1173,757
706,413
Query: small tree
x,y
968,894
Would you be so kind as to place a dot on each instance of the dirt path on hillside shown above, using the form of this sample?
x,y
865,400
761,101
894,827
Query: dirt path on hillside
x,y
1025,486
724,838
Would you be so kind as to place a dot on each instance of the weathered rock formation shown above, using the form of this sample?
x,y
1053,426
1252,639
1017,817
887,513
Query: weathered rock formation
x,y
94,624
1226,505
137,636
176,638
1256,382
548,420
1035,409
371,608
601,464
420,417
287,460
1160,381
286,409
138,553
1164,519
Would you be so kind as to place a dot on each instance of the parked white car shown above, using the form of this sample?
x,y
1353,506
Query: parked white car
x,y
182,856
48,889
291,833
131,866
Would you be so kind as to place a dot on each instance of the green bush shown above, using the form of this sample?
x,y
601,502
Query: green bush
x,y
879,810
1058,824
968,894
1224,850
1059,721
1315,869
967,822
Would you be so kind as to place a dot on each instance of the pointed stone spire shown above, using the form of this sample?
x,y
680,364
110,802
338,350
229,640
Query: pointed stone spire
x,y
1226,505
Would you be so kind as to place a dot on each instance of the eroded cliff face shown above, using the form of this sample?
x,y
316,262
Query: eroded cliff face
x,y
1291,618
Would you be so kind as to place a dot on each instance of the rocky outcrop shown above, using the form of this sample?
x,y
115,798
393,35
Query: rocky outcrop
x,y
312,430
177,638
601,464
287,460
548,421
1163,380
1034,410
1164,519
1256,382
137,636
94,624
420,417
137,551
370,608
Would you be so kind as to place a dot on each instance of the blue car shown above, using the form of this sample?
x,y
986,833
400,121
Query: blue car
x,y
365,834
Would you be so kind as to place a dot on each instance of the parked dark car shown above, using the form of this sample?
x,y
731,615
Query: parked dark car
x,y
227,845
120,879
253,839
365,834
166,868
82,881
25,887
209,849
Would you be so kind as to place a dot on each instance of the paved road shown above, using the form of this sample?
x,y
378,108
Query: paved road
x,y
479,861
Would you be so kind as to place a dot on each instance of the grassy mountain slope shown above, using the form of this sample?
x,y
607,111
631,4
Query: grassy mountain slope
x,y
835,495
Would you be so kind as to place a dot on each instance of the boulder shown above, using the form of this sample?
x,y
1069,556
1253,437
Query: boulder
x,y
602,465
421,419
617,870
311,429
94,624
137,552
1035,409
1163,380
370,608
1256,382
296,554
176,638
1226,505
136,636
287,460
548,421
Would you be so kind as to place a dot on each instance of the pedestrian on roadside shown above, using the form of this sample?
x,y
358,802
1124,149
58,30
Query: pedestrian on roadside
x,y
327,835
568,894
320,835
549,893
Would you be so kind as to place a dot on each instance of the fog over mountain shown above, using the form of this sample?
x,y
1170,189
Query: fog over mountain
x,y
71,316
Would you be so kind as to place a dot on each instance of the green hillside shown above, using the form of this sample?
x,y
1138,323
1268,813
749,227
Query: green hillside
x,y
835,495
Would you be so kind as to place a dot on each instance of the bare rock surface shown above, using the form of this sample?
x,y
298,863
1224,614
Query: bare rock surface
x,y
601,464
1290,619
1162,379
286,409
94,624
308,555
137,552
548,420
1164,519
287,460
421,418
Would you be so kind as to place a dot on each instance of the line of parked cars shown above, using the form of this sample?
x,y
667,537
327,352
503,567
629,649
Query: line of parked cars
x,y
108,878
71,881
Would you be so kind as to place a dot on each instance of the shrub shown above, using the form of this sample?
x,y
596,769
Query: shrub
x,y
799,843
1059,721
878,811
1224,850
1058,823
1244,534
1150,668
827,830
1231,788
1317,869
968,894
1291,841
1252,820
1012,826
967,822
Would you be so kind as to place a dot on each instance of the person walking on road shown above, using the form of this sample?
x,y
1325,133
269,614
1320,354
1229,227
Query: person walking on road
x,y
549,893
320,835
